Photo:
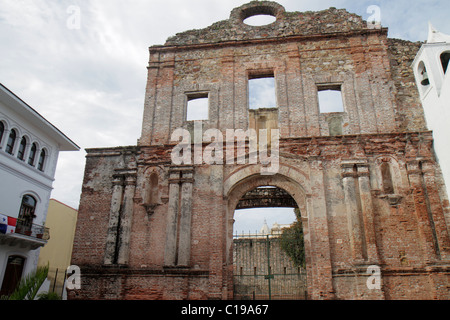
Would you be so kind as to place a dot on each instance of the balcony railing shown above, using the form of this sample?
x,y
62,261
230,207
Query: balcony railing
x,y
25,227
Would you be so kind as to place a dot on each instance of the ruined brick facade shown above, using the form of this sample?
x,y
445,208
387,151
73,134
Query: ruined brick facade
x,y
372,195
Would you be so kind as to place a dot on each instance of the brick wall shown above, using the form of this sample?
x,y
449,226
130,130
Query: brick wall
x,y
177,245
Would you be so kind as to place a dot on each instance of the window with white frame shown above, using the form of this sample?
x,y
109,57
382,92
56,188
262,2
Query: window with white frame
x,y
2,131
22,147
42,158
11,142
32,155
26,215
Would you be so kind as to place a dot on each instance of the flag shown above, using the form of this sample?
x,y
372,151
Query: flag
x,y
7,224
3,219
10,229
3,223
12,223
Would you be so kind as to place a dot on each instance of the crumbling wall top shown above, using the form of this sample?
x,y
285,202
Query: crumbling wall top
x,y
287,24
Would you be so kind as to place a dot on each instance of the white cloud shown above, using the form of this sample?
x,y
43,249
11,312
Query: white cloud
x,y
90,82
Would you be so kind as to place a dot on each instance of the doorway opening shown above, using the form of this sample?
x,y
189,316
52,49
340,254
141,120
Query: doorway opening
x,y
268,247
13,274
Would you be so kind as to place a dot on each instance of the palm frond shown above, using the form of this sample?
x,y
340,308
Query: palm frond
x,y
29,285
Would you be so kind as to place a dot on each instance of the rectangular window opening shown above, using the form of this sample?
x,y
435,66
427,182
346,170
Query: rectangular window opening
x,y
261,91
330,99
197,107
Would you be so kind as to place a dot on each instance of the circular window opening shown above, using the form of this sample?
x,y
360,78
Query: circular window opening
x,y
260,20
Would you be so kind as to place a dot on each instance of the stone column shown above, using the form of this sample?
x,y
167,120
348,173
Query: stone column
x,y
220,230
170,254
436,210
184,245
116,203
150,99
427,235
322,286
227,93
355,228
367,213
178,238
126,220
296,122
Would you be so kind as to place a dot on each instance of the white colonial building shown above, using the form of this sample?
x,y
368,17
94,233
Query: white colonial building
x,y
433,80
29,149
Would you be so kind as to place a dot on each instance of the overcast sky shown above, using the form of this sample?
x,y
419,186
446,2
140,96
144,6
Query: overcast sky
x,y
87,76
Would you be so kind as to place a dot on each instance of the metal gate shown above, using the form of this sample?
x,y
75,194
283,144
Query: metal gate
x,y
263,271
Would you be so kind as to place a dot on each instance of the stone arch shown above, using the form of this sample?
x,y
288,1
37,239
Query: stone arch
x,y
292,180
238,15
248,178
290,172
256,180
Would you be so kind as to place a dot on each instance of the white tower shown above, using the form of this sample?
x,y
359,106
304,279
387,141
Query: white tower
x,y
265,229
432,77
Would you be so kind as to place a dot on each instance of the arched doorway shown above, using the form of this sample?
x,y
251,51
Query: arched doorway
x,y
260,266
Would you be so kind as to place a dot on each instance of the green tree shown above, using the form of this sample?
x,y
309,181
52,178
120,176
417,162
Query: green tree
x,y
292,241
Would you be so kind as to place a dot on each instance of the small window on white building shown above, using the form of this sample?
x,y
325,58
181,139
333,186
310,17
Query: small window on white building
x,y
445,58
11,142
2,131
26,215
423,75
330,99
22,147
32,155
197,107
42,158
